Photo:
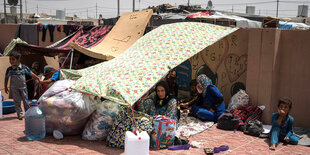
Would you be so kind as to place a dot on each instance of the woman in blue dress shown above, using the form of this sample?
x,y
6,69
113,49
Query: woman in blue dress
x,y
210,104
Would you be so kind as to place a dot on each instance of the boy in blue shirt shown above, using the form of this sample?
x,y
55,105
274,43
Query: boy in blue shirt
x,y
55,77
18,86
282,125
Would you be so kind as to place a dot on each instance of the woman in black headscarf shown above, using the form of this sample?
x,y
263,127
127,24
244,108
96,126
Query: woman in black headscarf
x,y
172,83
160,102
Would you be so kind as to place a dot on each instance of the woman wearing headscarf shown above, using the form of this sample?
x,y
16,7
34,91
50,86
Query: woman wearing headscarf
x,y
211,102
172,83
160,102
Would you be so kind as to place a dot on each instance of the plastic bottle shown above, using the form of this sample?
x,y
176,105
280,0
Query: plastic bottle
x,y
34,122
137,144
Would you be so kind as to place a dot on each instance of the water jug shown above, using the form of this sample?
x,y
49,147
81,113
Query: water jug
x,y
137,144
0,105
34,122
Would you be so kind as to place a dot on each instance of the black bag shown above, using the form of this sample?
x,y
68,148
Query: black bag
x,y
227,122
253,128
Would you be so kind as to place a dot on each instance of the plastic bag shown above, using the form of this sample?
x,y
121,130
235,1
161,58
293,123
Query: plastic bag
x,y
164,132
101,121
240,99
65,110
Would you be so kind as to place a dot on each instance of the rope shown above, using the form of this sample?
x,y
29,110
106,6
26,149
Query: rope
x,y
134,121
65,59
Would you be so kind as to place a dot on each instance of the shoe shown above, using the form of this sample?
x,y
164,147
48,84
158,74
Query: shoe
x,y
221,148
178,141
179,147
263,135
20,117
208,151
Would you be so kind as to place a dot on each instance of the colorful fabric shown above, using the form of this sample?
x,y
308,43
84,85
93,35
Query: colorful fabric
x,y
148,106
129,76
203,14
101,121
203,82
246,114
85,37
124,122
240,99
189,126
164,132
92,36
7,51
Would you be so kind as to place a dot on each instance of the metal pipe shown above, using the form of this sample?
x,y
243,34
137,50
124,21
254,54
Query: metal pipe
x,y
5,15
71,60
277,8
21,11
133,5
117,8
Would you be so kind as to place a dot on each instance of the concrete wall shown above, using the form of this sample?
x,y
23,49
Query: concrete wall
x,y
7,32
278,66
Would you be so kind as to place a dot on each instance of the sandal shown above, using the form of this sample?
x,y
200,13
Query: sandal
x,y
20,117
179,147
221,148
208,151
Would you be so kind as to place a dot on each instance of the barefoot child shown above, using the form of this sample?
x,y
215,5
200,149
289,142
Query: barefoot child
x,y
282,125
18,87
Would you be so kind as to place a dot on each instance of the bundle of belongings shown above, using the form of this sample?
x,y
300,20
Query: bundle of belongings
x,y
101,121
71,112
241,116
65,110
124,122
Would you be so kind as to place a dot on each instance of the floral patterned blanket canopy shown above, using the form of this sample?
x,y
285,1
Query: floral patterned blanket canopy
x,y
129,76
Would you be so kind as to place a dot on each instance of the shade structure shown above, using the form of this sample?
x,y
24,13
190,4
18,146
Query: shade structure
x,y
127,77
128,29
86,36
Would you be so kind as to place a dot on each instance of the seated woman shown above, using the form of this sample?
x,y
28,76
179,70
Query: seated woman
x,y
172,83
210,104
160,102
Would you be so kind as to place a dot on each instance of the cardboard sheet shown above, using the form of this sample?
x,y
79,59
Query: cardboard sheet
x,y
4,63
128,29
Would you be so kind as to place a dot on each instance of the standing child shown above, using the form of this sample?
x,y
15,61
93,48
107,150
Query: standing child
x,y
18,85
282,125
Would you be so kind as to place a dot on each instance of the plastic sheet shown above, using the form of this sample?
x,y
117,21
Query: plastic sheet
x,y
65,110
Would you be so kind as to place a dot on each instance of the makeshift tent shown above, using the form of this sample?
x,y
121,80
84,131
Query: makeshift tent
x,y
240,21
128,29
292,25
127,77
86,37
5,63
11,46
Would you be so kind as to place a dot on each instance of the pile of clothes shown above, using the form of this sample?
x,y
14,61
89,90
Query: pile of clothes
x,y
242,116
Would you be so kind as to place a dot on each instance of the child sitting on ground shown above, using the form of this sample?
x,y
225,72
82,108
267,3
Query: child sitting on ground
x,y
18,86
282,125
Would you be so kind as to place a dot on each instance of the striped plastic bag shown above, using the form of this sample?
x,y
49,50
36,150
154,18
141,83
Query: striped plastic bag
x,y
164,131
